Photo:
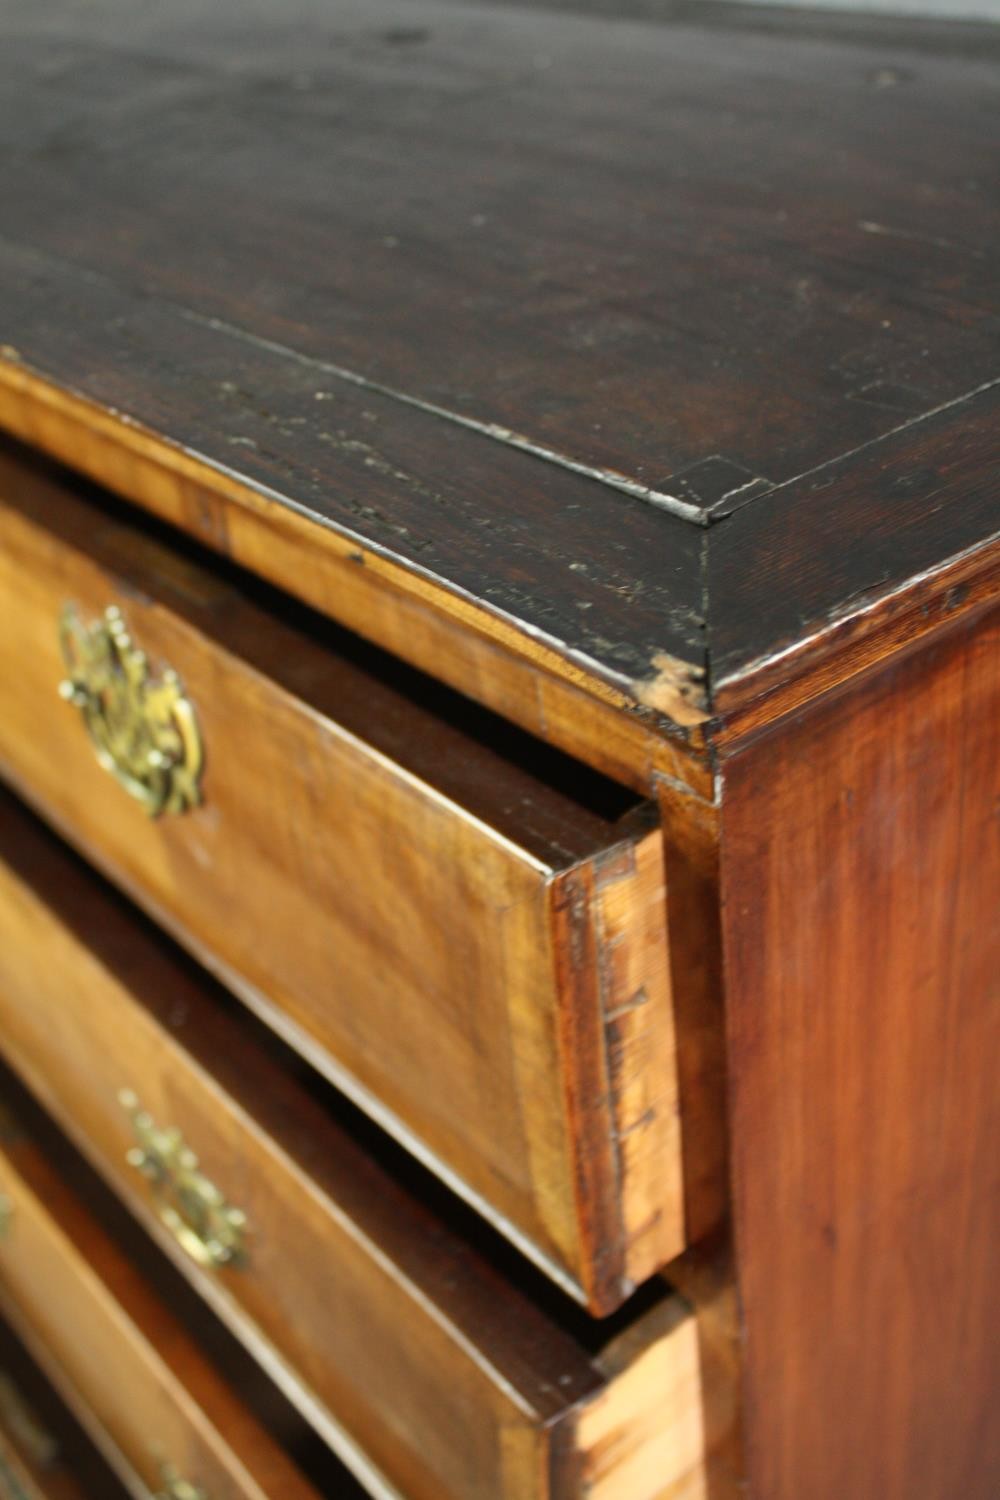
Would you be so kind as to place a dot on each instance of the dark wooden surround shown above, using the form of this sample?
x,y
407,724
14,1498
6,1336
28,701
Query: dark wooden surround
x,y
635,371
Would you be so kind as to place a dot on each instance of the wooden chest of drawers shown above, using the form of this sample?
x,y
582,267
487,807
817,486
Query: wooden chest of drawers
x,y
459,916
500,738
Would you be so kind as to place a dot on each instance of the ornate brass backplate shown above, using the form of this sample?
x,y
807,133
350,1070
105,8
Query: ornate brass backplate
x,y
197,1215
143,729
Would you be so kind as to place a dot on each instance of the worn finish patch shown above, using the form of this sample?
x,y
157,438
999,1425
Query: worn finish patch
x,y
676,688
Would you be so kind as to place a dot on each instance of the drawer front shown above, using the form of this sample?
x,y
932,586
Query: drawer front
x,y
132,1370
477,958
21,1481
408,1352
44,1453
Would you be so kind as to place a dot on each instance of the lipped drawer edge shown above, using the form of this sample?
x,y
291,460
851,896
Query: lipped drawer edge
x,y
439,1367
476,953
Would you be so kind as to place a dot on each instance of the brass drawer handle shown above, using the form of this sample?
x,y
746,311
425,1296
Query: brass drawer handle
x,y
176,1488
197,1215
142,727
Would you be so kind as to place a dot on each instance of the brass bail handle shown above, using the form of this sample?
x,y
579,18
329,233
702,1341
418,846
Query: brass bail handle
x,y
143,729
210,1230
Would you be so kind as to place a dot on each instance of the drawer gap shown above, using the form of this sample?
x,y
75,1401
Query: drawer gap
x,y
277,1087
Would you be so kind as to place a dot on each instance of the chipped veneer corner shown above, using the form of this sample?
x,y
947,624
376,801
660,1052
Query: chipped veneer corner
x,y
676,688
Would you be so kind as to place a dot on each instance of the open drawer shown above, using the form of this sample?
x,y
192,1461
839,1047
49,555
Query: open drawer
x,y
163,1415
44,1452
464,930
435,1369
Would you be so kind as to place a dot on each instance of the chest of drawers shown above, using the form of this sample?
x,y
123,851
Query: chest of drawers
x,y
500,733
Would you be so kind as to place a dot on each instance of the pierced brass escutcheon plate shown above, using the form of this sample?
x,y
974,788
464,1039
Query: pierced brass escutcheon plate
x,y
211,1230
143,729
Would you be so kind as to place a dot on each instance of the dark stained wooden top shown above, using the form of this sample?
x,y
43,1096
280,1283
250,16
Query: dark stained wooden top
x,y
654,328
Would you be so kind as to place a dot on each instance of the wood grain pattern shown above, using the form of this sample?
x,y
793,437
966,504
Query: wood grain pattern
x,y
634,373
422,873
706,1277
143,1383
857,531
690,828
423,1365
854,643
404,376
44,1449
484,654
860,871
375,483
553,225
645,1430
20,1481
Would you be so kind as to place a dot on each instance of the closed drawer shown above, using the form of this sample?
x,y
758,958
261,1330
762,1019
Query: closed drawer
x,y
161,1411
411,1350
464,930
